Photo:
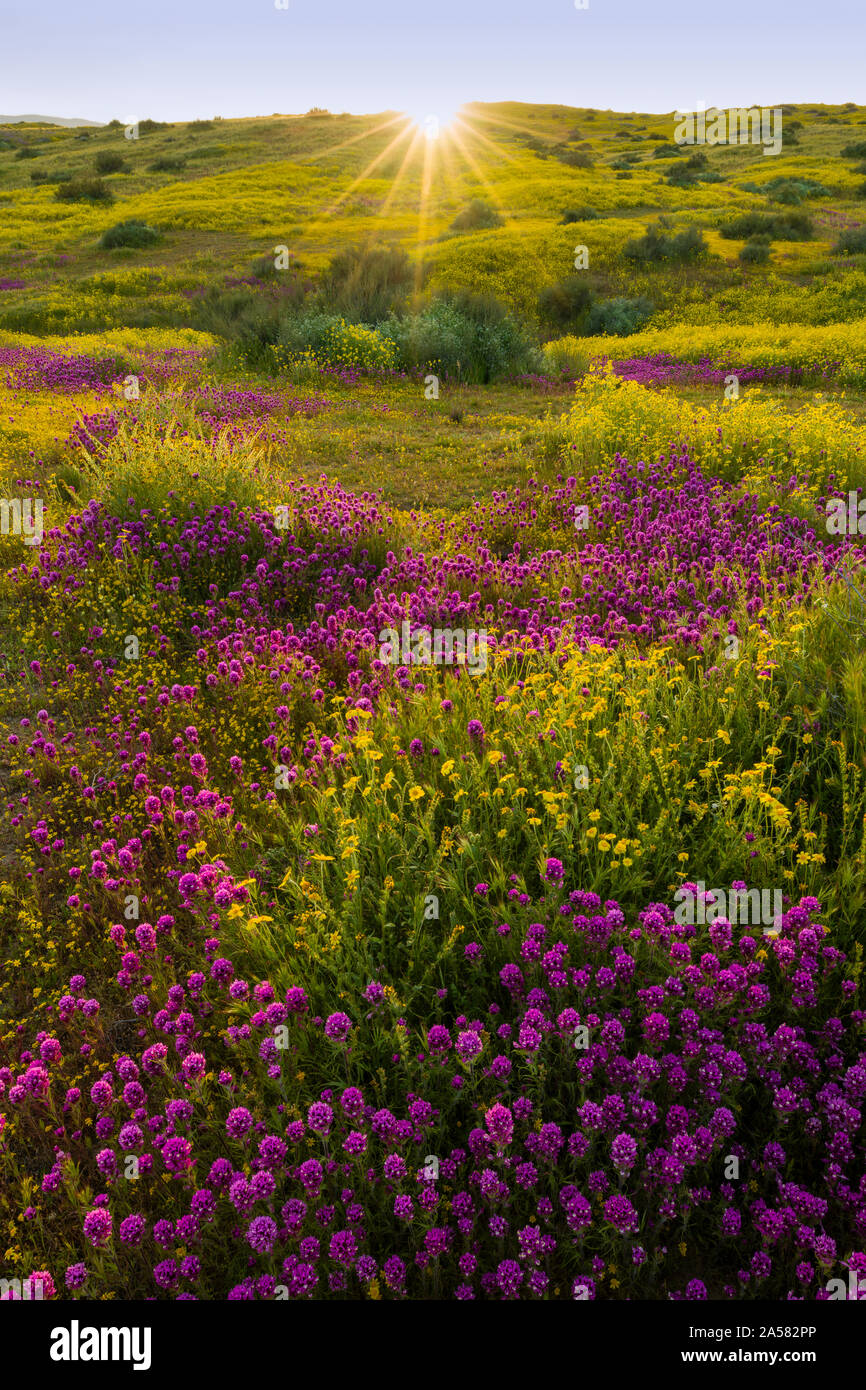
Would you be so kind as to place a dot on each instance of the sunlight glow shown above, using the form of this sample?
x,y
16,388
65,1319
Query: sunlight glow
x,y
432,122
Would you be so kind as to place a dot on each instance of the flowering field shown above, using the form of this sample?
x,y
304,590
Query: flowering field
x,y
338,965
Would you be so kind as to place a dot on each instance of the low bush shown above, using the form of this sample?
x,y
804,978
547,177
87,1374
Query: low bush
x,y
470,337
575,159
755,252
130,233
852,241
566,304
619,317
49,176
584,214
657,247
778,226
476,217
364,285
108,162
84,191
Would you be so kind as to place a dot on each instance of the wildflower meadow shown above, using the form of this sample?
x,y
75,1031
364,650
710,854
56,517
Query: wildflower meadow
x,y
433,709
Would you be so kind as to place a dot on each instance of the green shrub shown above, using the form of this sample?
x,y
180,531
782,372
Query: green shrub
x,y
199,125
364,285
250,324
147,127
792,192
131,233
619,317
681,177
585,214
476,217
755,252
778,226
852,241
84,191
26,153
667,151
47,176
107,162
575,159
566,304
855,151
169,164
656,246
470,337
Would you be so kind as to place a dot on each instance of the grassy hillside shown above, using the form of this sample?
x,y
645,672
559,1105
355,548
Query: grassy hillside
x,y
225,195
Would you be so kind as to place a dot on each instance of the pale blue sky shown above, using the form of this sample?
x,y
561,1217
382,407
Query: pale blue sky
x,y
179,59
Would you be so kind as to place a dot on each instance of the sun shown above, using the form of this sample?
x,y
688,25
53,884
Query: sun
x,y
432,120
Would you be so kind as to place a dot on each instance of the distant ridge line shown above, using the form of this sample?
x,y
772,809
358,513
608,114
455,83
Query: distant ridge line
x,y
48,120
